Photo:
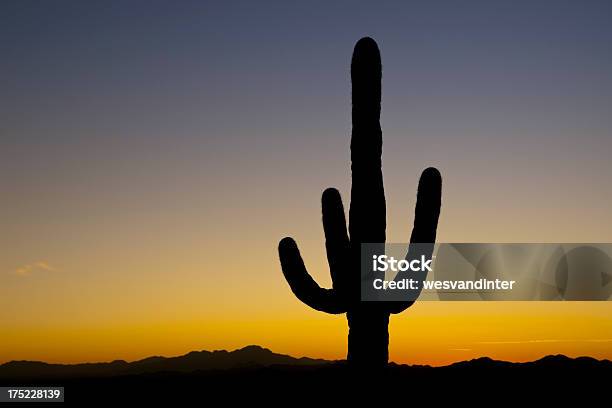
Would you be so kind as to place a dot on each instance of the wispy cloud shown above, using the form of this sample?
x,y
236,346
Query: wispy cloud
x,y
547,341
31,268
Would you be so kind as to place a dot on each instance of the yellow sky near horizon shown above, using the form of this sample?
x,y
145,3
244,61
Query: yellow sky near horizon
x,y
433,333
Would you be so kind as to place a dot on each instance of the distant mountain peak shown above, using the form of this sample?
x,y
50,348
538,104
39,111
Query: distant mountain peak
x,y
254,347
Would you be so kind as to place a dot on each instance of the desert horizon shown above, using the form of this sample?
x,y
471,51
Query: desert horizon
x,y
297,357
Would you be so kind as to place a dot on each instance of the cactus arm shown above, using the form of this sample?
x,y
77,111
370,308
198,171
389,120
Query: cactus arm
x,y
427,209
426,213
336,239
302,285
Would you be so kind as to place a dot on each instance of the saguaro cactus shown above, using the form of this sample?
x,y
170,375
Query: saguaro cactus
x,y
368,337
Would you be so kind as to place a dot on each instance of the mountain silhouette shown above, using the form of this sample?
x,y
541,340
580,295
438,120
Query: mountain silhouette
x,y
252,358
249,356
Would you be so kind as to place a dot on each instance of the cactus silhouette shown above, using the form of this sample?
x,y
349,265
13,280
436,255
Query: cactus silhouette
x,y
368,337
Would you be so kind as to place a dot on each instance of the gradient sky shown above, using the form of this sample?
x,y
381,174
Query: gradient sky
x,y
153,154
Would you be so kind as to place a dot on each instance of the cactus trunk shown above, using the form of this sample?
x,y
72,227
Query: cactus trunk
x,y
368,338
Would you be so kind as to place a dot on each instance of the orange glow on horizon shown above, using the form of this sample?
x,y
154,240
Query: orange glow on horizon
x,y
433,333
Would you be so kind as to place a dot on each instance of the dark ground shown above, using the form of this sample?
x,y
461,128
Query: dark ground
x,y
551,380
